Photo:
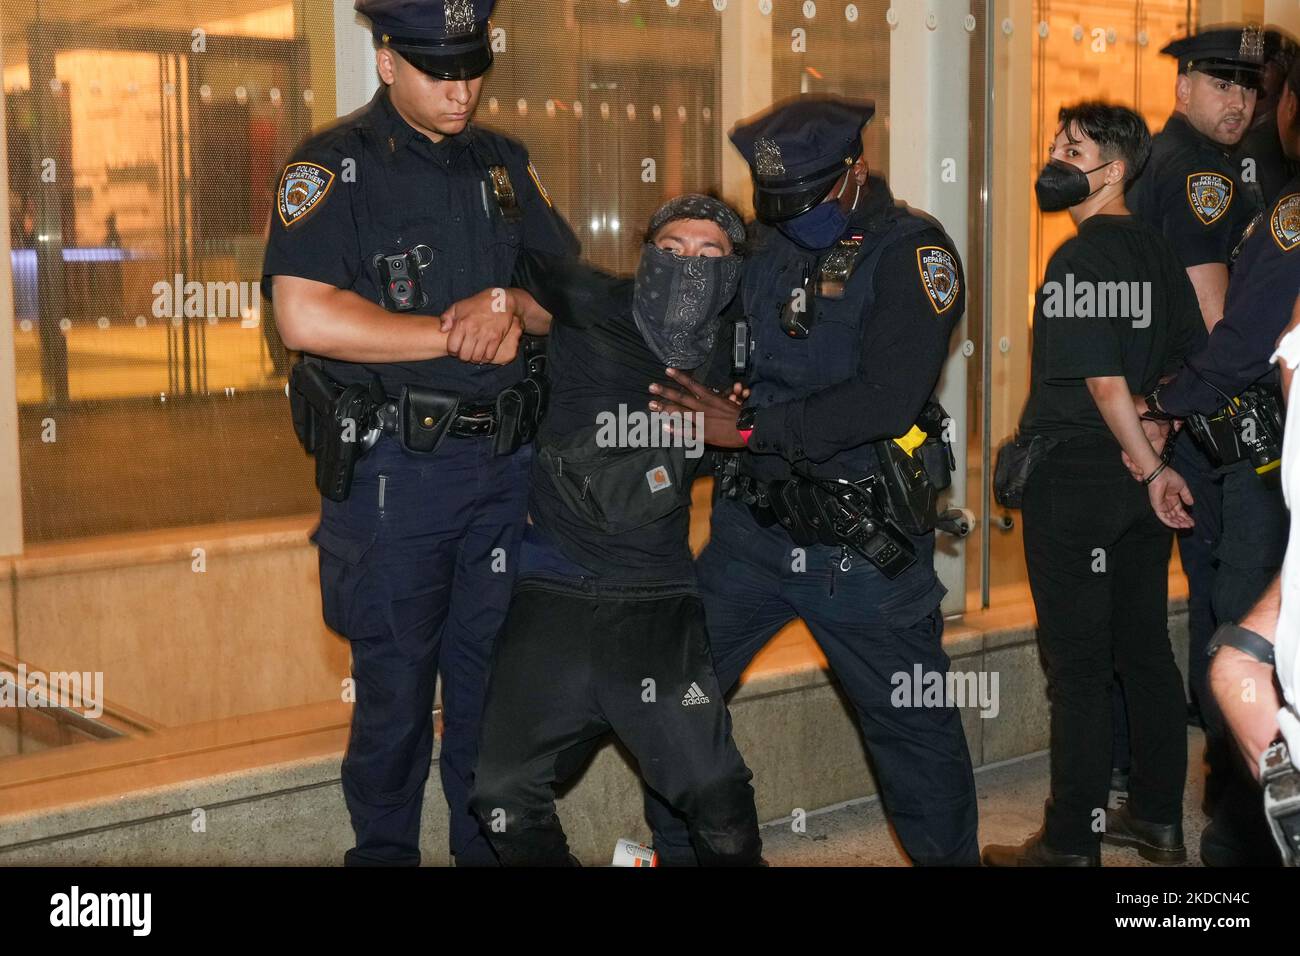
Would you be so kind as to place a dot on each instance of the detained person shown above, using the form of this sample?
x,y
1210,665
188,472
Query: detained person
x,y
1116,313
606,630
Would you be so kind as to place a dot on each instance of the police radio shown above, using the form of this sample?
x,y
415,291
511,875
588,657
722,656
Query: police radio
x,y
1247,426
399,279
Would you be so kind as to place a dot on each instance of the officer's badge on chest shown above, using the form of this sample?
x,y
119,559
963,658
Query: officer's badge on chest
x,y
303,187
1210,195
1285,224
938,276
504,191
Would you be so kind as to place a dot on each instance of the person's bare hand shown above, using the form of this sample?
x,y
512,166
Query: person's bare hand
x,y
1248,698
508,350
1157,434
1170,498
477,327
739,394
719,412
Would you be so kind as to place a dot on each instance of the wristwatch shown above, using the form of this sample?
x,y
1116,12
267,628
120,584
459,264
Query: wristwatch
x,y
745,422
1243,639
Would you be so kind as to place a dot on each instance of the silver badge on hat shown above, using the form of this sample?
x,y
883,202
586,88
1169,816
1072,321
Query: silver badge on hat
x,y
767,158
459,16
1252,43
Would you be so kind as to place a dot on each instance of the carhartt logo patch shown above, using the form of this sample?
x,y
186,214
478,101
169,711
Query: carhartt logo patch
x,y
303,187
658,479
938,276
1210,195
1285,223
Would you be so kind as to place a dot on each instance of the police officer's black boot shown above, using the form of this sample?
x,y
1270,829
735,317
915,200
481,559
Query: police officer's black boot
x,y
1034,852
1157,842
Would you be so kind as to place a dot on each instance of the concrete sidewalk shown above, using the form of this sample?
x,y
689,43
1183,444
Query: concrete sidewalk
x,y
1011,796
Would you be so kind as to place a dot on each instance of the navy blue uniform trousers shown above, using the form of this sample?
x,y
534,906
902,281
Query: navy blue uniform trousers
x,y
416,570
870,628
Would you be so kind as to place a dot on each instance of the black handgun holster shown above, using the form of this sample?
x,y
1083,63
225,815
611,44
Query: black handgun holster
x,y
339,442
330,422
311,399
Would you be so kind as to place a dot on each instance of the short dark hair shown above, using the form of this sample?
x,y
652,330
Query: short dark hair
x,y
1293,84
1120,133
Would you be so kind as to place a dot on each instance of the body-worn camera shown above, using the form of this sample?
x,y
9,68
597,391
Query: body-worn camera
x,y
399,278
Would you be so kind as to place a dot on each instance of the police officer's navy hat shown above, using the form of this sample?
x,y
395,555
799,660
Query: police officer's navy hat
x,y
799,149
1279,47
1234,53
444,38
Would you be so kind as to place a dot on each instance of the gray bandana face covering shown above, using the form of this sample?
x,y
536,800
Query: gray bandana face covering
x,y
677,303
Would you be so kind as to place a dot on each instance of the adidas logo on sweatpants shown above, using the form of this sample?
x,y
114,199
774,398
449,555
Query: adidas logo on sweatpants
x,y
694,696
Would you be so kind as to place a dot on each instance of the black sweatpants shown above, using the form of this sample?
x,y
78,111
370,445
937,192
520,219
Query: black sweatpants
x,y
573,663
1098,561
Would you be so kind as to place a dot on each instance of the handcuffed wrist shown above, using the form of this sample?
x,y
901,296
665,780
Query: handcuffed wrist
x,y
1155,474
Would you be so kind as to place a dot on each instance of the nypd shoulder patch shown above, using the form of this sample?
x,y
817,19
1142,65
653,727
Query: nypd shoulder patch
x,y
1285,222
938,276
303,187
1210,195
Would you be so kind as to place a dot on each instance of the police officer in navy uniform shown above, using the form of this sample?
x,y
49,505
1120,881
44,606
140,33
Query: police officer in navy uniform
x,y
1268,169
1192,193
391,255
1261,296
850,301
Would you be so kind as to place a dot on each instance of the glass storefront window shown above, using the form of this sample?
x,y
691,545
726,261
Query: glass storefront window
x,y
142,150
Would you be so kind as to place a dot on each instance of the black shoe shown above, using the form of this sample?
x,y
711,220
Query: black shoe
x,y
1157,842
1224,846
1034,852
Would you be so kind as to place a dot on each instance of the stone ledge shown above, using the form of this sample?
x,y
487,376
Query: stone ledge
x,y
160,547
269,784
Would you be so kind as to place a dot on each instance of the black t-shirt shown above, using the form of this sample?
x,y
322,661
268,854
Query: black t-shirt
x,y
1115,301
597,361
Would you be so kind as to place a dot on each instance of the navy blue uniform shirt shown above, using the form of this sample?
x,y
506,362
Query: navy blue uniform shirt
x,y
371,183
1260,151
1261,296
867,368
1191,193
